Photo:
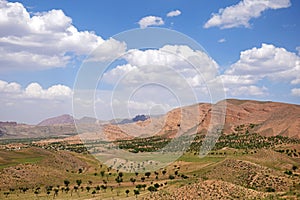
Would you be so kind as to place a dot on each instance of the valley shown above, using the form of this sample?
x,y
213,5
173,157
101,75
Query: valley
x,y
246,162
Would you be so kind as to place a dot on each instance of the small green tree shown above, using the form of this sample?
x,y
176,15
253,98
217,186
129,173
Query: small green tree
x,y
119,180
56,192
132,180
102,173
103,187
139,186
127,192
171,177
136,193
147,174
152,189
121,174
78,182
6,194
97,188
66,182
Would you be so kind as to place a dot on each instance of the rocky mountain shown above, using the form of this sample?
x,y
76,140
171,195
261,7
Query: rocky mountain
x,y
265,118
240,116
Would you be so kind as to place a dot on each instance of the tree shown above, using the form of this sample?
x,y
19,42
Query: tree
x,y
36,192
147,174
103,187
98,188
139,186
127,192
164,172
66,182
132,180
144,186
171,177
156,185
56,192
152,189
75,188
78,182
88,188
136,193
119,180
294,168
142,179
6,194
102,173
24,189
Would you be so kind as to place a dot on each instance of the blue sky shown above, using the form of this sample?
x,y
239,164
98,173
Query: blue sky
x,y
253,44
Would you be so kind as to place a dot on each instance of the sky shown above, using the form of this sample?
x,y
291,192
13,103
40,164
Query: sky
x,y
51,50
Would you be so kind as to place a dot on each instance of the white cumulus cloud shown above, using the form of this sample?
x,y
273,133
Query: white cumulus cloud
x,y
168,77
108,50
12,87
275,63
254,65
177,62
33,103
150,21
241,13
174,13
34,90
41,40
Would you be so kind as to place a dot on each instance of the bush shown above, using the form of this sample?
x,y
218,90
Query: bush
x,y
288,172
171,177
269,189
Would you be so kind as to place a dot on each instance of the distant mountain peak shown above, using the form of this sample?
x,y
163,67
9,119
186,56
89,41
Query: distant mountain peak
x,y
140,118
62,119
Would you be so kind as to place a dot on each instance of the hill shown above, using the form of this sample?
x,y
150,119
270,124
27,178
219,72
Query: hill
x,y
265,118
241,116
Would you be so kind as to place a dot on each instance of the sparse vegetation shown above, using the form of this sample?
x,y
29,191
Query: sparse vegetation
x,y
233,163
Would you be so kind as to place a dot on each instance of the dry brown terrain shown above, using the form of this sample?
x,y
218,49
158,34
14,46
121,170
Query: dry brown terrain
x,y
209,189
267,118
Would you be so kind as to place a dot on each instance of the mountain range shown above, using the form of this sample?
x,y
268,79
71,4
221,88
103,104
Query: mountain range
x,y
262,117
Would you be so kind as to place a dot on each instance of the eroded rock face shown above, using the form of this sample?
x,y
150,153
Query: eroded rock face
x,y
269,118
